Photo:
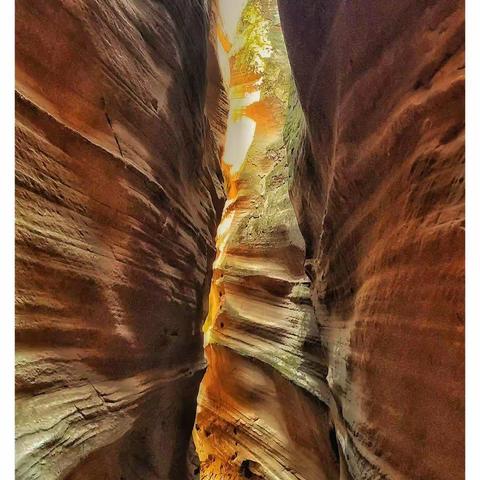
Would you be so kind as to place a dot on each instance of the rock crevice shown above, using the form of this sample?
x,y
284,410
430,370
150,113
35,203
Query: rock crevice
x,y
290,179
119,191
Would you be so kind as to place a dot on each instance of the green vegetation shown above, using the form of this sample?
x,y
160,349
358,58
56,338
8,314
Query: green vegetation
x,y
294,132
260,48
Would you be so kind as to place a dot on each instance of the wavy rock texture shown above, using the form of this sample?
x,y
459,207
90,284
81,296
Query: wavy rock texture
x,y
263,351
259,415
378,190
118,199
352,372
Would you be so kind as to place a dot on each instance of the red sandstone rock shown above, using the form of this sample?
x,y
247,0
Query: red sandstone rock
x,y
118,198
120,124
378,189
259,415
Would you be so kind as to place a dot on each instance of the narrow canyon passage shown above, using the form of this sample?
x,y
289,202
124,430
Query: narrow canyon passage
x,y
261,339
328,389
239,240
264,357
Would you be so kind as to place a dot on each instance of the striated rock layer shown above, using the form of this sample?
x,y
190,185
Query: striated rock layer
x,y
377,184
259,413
348,364
118,198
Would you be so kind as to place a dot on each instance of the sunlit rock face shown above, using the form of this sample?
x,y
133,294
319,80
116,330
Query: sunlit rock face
x,y
118,199
346,365
259,413
377,184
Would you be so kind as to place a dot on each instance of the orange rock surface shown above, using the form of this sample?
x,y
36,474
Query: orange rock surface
x,y
378,189
119,192
330,285
259,415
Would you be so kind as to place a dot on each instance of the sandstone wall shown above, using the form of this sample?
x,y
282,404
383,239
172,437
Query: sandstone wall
x,y
259,413
118,197
257,402
377,184
347,364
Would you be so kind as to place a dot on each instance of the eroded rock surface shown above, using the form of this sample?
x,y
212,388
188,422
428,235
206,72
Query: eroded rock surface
x,y
118,198
259,413
346,365
379,193
371,384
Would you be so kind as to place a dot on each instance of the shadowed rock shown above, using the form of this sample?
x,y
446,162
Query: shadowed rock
x,y
118,197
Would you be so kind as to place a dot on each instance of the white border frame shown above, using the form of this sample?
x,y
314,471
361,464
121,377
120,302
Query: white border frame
x,y
472,332
7,247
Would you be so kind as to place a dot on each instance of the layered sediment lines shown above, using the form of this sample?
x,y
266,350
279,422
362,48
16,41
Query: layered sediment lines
x,y
335,327
259,413
379,194
118,198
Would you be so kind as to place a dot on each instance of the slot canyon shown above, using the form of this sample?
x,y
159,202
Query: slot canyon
x,y
240,239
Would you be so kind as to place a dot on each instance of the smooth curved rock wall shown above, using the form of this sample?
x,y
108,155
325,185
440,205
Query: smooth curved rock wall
x,y
377,184
118,197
